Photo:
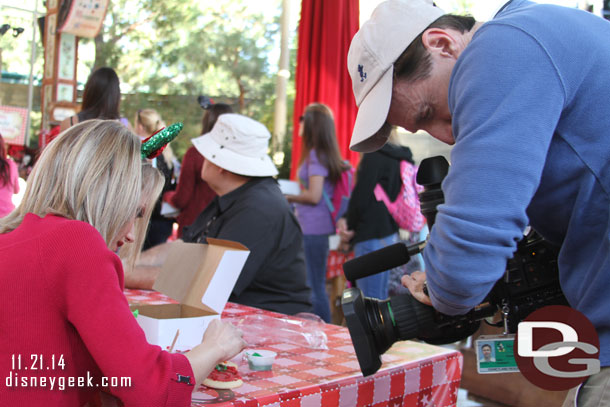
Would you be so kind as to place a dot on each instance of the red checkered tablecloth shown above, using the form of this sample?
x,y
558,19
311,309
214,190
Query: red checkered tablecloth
x,y
412,374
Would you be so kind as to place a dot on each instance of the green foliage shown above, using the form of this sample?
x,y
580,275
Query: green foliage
x,y
16,51
167,52
463,6
184,48
458,6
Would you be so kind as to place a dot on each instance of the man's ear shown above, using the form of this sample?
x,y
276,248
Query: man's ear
x,y
440,41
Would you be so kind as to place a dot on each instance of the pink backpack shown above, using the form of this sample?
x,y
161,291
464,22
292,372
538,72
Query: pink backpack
x,y
337,204
405,209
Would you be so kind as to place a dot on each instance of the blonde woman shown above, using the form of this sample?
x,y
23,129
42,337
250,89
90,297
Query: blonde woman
x,y
152,184
146,123
62,283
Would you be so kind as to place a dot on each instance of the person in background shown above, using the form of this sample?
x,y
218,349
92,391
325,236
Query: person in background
x,y
101,98
146,123
82,199
9,180
320,167
367,224
250,209
192,193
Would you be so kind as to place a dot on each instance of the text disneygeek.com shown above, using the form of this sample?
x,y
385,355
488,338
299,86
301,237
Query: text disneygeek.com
x,y
20,365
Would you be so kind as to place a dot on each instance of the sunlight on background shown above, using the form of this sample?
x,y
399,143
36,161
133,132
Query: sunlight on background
x,y
482,10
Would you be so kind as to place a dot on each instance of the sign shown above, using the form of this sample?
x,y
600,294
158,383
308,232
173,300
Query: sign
x,y
557,348
495,354
13,121
84,17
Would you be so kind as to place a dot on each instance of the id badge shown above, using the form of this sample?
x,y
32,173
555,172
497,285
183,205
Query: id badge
x,y
495,354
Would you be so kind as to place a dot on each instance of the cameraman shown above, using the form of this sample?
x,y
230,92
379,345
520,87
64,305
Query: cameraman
x,y
524,98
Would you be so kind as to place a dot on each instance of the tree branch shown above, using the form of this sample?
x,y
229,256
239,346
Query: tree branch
x,y
133,27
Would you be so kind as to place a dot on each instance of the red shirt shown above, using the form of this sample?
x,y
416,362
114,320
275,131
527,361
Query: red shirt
x,y
192,194
63,303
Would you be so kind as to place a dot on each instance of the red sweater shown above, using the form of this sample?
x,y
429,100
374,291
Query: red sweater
x,y
62,301
192,194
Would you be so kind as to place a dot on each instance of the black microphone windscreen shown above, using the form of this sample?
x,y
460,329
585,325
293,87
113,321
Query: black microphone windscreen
x,y
375,262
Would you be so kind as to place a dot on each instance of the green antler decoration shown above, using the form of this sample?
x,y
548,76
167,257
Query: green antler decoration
x,y
154,145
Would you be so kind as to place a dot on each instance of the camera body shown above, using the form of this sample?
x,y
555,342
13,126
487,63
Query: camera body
x,y
531,281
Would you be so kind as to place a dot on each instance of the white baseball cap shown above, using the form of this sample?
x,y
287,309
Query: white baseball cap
x,y
238,144
392,27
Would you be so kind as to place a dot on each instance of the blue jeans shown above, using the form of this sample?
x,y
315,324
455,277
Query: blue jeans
x,y
375,286
316,255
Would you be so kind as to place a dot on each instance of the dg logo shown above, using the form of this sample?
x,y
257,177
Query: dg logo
x,y
557,348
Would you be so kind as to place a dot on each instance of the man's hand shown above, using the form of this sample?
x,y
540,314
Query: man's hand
x,y
415,283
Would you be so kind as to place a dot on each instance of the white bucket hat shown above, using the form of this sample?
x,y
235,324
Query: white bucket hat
x,y
392,27
238,144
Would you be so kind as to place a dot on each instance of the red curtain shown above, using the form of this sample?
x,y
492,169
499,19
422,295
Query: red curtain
x,y
326,29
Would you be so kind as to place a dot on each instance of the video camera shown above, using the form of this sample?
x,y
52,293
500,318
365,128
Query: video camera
x,y
531,281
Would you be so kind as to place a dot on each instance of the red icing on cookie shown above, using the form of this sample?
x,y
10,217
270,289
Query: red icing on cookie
x,y
224,373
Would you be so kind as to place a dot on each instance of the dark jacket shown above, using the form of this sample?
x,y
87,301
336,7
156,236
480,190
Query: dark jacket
x,y
368,217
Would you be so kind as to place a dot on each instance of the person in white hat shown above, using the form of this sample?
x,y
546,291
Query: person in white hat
x,y
524,100
249,209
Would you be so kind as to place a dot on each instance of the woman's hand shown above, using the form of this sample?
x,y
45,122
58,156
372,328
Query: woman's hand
x,y
310,195
225,338
221,341
345,235
415,282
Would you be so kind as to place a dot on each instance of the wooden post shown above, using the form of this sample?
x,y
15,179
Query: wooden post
x,y
58,99
283,74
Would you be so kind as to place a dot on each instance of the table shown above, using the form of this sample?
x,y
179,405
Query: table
x,y
412,374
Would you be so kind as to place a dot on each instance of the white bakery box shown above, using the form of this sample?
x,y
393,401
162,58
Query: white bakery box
x,y
200,277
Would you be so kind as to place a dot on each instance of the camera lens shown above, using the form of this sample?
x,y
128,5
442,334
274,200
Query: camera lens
x,y
381,323
398,318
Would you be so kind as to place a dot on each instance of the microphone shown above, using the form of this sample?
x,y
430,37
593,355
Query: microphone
x,y
380,260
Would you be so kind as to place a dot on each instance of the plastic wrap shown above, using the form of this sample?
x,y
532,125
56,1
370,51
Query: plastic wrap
x,y
260,330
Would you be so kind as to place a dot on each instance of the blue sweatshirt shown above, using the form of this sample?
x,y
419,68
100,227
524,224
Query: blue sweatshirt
x,y
530,105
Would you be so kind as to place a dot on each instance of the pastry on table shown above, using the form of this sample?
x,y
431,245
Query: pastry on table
x,y
224,376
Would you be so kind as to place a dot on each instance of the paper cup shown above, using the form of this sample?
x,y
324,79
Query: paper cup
x,y
260,359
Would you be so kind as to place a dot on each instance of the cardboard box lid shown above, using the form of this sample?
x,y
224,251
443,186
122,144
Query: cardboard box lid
x,y
202,275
